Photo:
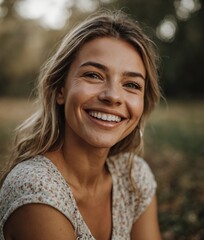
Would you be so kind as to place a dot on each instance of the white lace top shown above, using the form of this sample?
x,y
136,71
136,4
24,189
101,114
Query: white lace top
x,y
37,180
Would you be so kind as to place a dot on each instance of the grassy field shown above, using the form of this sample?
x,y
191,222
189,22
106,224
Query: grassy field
x,y
174,148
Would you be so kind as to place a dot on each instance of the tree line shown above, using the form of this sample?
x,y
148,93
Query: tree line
x,y
175,26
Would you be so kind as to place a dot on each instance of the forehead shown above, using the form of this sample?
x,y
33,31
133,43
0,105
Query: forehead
x,y
106,44
111,51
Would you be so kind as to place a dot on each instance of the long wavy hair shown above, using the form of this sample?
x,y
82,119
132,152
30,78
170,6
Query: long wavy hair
x,y
44,130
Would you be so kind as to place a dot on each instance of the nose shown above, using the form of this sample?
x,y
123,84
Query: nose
x,y
111,95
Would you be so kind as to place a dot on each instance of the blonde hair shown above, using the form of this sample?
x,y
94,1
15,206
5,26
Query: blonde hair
x,y
43,131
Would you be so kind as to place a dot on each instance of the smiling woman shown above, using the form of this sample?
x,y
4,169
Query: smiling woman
x,y
76,171
108,83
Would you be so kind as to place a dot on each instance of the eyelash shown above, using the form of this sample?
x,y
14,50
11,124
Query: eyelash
x,y
93,75
133,85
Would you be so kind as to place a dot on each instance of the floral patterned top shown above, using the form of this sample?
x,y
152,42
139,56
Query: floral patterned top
x,y
37,180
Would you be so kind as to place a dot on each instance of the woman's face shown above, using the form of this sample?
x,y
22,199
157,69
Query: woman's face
x,y
104,93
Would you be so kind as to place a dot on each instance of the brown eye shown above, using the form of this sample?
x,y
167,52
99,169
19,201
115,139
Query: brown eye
x,y
93,75
133,85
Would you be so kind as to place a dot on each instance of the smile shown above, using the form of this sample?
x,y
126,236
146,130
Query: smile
x,y
105,117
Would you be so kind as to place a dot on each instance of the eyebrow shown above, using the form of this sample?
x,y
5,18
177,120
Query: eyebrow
x,y
133,74
105,69
95,64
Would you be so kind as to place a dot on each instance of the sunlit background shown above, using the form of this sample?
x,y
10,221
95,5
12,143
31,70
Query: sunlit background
x,y
31,28
30,31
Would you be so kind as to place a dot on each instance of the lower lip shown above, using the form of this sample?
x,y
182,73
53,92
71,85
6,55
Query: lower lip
x,y
104,124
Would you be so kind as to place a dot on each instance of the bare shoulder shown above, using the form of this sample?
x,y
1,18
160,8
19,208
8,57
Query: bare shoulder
x,y
146,226
38,221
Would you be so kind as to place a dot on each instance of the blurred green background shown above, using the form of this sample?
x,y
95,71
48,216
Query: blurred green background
x,y
30,31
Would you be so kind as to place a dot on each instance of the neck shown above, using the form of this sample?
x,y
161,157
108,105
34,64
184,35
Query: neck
x,y
85,167
82,165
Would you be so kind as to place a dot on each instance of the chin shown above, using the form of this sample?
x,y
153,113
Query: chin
x,y
100,143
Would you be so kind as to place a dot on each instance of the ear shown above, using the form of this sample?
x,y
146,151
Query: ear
x,y
60,99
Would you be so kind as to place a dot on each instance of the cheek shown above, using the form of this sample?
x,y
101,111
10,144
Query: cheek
x,y
77,97
136,107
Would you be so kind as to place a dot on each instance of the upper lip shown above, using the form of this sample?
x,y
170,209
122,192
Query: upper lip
x,y
107,111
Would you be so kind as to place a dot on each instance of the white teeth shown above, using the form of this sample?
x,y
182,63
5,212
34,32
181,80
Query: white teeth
x,y
109,118
105,117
